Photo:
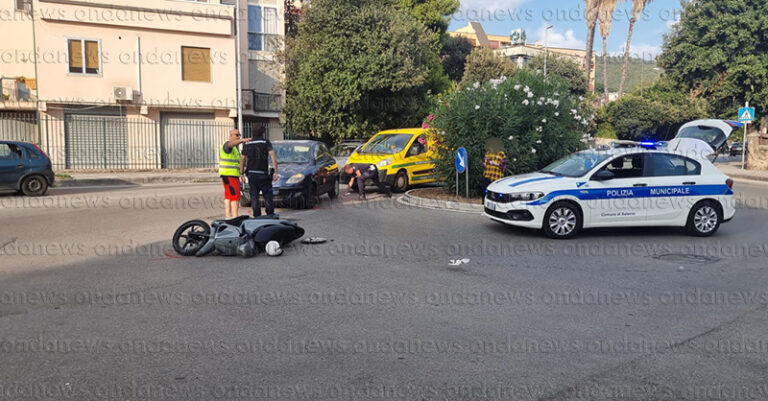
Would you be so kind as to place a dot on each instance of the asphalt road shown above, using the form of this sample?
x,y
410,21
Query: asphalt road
x,y
94,305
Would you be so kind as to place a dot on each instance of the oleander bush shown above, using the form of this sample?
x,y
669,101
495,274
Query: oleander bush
x,y
536,118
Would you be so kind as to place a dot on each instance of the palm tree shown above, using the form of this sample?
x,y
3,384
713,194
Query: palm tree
x,y
607,7
592,9
637,8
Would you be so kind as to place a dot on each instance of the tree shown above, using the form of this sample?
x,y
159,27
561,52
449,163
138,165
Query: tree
x,y
637,8
454,56
434,14
656,114
356,67
292,17
591,12
607,7
483,64
564,68
719,52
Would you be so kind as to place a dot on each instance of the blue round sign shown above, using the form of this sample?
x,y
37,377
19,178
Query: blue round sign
x,y
461,160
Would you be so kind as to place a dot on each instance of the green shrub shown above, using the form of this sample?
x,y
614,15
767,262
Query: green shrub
x,y
535,117
606,131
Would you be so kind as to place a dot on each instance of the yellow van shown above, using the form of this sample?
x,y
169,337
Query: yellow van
x,y
404,157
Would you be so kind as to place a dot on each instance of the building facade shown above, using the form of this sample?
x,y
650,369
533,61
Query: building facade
x,y
516,47
262,33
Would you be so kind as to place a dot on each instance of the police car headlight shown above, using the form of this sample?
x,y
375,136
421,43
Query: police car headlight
x,y
384,163
295,179
526,196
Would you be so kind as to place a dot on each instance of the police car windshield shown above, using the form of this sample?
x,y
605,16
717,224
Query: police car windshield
x,y
292,153
387,144
577,164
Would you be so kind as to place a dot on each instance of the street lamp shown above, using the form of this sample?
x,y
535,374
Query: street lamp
x,y
546,47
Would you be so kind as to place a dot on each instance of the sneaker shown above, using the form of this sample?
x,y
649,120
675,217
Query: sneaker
x,y
361,197
388,194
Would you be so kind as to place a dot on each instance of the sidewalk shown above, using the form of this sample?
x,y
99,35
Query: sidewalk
x,y
734,170
94,178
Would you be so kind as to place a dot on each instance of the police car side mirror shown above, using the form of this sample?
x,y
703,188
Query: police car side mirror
x,y
603,175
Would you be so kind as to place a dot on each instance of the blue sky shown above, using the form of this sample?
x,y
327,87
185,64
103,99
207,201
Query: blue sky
x,y
500,17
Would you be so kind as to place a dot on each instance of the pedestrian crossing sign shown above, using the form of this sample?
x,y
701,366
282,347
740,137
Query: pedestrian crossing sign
x,y
746,114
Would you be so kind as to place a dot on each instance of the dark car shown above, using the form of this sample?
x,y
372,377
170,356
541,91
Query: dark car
x,y
24,167
736,149
306,170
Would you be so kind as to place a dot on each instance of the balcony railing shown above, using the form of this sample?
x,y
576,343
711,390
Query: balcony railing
x,y
12,90
262,102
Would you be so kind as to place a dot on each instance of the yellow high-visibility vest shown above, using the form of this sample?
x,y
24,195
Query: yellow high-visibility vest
x,y
229,163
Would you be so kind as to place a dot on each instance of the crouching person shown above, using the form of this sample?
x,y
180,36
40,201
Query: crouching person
x,y
362,173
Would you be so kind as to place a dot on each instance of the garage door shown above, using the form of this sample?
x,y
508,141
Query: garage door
x,y
95,141
190,140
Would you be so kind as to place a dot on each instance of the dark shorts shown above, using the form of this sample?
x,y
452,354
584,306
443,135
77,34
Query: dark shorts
x,y
231,188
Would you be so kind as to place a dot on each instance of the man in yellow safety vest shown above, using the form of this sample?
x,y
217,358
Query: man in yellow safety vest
x,y
229,170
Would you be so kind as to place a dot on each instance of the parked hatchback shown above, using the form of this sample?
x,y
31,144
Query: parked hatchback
x,y
24,167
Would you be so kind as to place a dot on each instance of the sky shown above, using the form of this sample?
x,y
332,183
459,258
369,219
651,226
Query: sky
x,y
500,17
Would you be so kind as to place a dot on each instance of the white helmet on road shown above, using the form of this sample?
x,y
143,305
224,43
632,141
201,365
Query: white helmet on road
x,y
273,248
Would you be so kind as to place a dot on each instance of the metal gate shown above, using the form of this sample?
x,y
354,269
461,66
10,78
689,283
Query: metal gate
x,y
95,141
191,140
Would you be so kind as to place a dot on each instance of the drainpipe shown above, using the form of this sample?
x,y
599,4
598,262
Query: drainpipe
x,y
37,80
138,66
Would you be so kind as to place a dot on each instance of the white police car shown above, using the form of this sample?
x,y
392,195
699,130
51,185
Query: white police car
x,y
633,184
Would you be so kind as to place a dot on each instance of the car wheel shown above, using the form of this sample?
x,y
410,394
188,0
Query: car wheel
x,y
334,192
562,221
401,182
310,197
704,219
191,237
34,185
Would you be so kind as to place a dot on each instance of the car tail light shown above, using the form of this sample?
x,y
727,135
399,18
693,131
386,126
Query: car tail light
x,y
41,151
729,183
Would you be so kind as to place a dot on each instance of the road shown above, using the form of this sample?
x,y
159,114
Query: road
x,y
94,305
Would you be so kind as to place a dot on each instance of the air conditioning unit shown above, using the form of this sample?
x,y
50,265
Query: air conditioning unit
x,y
123,93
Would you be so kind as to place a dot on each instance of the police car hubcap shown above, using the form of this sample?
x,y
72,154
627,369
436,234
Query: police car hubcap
x,y
705,219
562,221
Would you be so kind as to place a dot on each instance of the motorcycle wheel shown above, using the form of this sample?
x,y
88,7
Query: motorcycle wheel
x,y
191,237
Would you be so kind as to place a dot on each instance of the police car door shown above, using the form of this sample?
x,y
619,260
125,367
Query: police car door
x,y
617,197
673,187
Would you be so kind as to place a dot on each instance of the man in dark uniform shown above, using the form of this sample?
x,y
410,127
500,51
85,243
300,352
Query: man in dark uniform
x,y
362,173
255,165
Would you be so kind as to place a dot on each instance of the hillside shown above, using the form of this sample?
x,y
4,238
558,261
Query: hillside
x,y
639,70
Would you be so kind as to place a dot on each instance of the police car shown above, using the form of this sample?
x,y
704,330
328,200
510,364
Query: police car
x,y
632,184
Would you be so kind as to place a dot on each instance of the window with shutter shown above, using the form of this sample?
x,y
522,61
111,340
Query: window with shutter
x,y
196,64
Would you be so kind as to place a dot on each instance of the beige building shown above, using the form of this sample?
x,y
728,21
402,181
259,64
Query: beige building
x,y
516,47
133,83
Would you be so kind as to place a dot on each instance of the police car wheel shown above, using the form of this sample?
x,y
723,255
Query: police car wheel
x,y
562,221
704,219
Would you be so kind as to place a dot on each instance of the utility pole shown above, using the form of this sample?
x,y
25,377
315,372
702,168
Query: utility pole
x,y
546,47
238,70
744,143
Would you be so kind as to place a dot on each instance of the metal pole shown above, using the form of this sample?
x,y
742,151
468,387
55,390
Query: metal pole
x,y
457,183
238,69
744,144
466,176
546,48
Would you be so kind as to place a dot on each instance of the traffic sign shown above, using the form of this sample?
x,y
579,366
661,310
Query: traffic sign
x,y
746,114
461,160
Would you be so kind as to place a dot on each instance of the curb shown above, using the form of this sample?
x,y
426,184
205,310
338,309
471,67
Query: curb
x,y
744,175
87,182
416,201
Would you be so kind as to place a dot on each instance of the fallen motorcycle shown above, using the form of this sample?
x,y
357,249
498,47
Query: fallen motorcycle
x,y
244,236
